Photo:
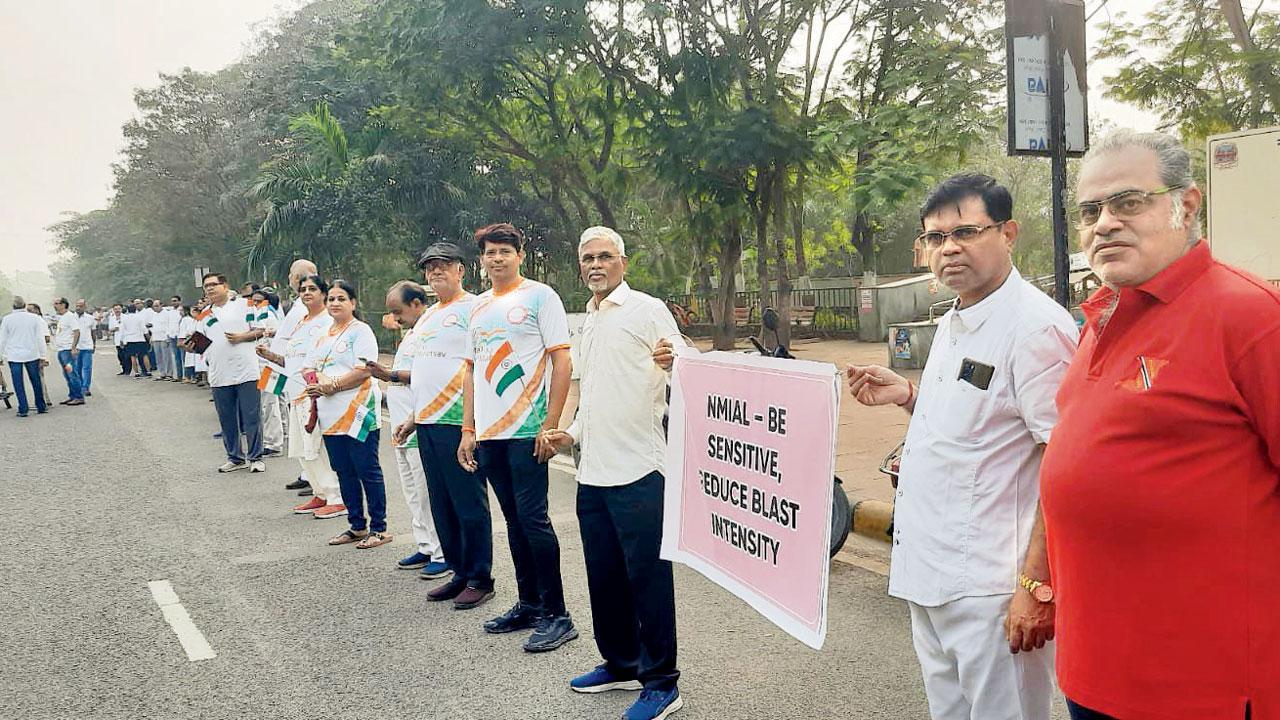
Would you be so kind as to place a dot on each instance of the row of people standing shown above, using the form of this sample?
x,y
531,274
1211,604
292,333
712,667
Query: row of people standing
x,y
475,395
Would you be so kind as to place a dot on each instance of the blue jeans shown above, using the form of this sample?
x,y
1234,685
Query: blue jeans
x,y
20,387
520,482
359,479
71,374
239,413
84,367
178,356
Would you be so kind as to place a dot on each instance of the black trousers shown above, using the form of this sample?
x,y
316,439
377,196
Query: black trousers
x,y
520,483
633,604
126,362
459,506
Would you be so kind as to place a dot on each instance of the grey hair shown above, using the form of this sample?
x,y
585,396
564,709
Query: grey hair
x,y
19,303
600,232
1173,162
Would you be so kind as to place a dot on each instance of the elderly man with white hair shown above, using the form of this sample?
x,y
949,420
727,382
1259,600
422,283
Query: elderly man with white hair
x,y
625,352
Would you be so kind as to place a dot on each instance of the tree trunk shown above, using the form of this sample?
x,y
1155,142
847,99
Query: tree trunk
x,y
764,203
864,241
780,259
722,333
797,226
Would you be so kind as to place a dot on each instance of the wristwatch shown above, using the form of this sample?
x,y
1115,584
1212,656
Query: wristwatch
x,y
1042,592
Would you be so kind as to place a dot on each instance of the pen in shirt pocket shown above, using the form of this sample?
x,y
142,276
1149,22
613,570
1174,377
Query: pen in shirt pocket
x,y
1144,372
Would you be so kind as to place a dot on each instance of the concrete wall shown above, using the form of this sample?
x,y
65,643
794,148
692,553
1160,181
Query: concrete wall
x,y
895,302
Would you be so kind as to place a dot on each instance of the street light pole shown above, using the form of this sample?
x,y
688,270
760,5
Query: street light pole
x,y
1058,155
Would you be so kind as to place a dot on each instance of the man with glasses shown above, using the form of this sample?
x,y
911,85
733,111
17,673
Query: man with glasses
x,y
1162,485
968,544
233,375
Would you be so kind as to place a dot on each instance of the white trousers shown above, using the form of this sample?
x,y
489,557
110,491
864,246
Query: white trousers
x,y
308,448
969,673
414,481
272,426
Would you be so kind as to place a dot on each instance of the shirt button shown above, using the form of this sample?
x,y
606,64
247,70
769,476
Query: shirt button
x,y
899,493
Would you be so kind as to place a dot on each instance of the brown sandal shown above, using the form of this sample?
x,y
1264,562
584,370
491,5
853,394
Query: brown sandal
x,y
374,539
348,536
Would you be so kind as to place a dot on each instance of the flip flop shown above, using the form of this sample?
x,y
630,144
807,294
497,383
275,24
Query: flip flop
x,y
373,540
347,536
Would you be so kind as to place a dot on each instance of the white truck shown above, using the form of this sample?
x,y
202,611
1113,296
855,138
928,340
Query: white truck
x,y
1244,200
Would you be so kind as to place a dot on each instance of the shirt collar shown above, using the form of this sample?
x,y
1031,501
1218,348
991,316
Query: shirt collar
x,y
1165,286
972,317
1169,283
617,297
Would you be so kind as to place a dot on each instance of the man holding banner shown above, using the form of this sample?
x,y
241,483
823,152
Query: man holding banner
x,y
626,346
969,546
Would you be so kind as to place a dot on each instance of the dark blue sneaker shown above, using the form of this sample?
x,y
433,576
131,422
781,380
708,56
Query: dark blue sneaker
x,y
601,680
551,632
435,569
413,562
519,617
654,705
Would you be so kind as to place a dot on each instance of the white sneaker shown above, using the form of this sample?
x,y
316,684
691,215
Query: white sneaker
x,y
257,466
232,466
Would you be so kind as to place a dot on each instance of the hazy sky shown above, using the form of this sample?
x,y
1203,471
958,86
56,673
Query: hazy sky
x,y
68,69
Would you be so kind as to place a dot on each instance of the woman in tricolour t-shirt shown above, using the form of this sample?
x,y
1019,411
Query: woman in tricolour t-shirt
x,y
349,402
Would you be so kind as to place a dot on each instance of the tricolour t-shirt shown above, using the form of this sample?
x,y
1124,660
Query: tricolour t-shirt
x,y
439,361
353,412
303,336
512,337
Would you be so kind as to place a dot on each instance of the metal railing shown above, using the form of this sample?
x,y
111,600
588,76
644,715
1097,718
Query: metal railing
x,y
825,310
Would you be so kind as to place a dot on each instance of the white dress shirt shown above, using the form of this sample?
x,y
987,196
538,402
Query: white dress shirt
x,y
87,325
622,393
168,325
969,482
22,337
133,327
151,321
113,325
68,324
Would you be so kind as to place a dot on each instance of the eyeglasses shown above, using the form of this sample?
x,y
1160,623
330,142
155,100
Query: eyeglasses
x,y
210,286
605,258
1124,205
963,234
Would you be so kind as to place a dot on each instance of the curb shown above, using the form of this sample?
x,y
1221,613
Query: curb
x,y
873,519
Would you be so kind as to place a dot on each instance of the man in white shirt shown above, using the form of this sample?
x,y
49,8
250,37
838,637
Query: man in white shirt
x,y
171,318
66,341
625,349
133,333
233,375
114,322
150,313
22,344
84,361
968,543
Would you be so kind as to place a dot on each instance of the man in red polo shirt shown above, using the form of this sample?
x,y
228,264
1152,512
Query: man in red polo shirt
x,y
1161,488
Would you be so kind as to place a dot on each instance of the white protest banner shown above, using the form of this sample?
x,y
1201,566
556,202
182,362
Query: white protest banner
x,y
749,466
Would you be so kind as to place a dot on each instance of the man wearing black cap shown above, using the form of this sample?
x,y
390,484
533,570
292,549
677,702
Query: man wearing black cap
x,y
458,496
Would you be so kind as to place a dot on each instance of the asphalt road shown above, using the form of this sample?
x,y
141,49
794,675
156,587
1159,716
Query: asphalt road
x,y
110,496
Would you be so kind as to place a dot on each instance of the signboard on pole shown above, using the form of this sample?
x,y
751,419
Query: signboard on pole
x,y
749,466
199,273
1027,66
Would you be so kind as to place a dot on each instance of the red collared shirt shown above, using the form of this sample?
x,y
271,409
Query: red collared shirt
x,y
1161,495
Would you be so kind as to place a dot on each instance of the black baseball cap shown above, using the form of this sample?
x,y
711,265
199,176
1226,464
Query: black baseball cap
x,y
441,251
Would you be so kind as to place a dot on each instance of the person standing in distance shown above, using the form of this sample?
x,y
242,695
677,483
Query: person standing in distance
x,y
968,543
625,350
66,341
517,381
84,359
22,345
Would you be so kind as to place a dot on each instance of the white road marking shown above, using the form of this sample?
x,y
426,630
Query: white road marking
x,y
175,614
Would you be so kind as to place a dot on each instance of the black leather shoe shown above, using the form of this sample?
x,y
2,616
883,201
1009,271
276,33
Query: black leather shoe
x,y
552,632
519,617
297,484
